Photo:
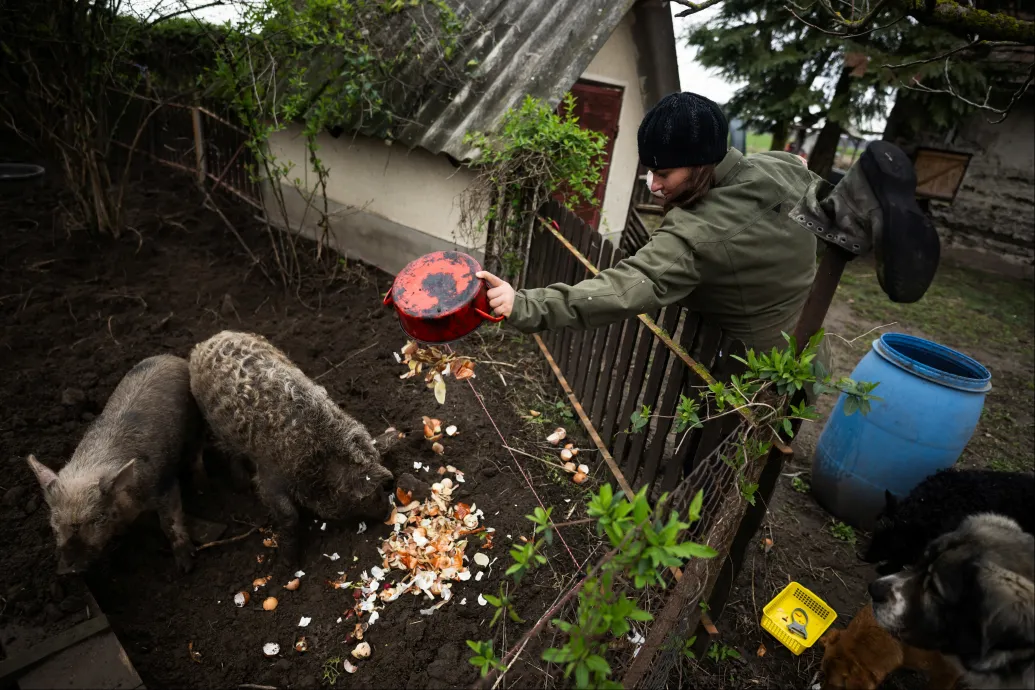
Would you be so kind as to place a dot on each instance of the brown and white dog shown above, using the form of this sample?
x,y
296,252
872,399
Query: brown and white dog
x,y
863,655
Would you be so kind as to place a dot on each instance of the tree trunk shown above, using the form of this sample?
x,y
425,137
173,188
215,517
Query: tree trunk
x,y
821,160
780,132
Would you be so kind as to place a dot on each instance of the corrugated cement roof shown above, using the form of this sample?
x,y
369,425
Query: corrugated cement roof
x,y
523,47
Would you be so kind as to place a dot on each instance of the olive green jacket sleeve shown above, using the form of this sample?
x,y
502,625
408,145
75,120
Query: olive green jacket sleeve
x,y
660,273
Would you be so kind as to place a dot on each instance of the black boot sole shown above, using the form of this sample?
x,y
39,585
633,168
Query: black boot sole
x,y
908,250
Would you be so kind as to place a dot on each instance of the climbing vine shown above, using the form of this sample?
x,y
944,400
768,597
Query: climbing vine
x,y
533,153
327,65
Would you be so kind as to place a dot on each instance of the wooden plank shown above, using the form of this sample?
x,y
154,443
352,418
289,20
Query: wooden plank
x,y
21,662
631,395
580,335
658,367
572,231
550,254
587,392
669,403
565,267
608,365
586,347
612,340
632,333
544,239
555,263
535,258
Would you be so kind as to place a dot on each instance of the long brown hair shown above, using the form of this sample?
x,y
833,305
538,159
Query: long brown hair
x,y
699,183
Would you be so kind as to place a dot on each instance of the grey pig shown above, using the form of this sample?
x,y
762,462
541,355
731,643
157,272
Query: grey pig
x,y
305,449
128,462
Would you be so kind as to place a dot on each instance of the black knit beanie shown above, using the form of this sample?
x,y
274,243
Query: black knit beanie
x,y
682,130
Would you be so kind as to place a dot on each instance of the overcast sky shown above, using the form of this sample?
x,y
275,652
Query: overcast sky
x,y
692,76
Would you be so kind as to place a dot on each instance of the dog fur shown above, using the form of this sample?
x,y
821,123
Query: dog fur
x,y
970,596
939,504
863,655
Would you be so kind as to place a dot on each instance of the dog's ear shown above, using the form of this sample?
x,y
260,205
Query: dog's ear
x,y
890,504
1007,611
830,637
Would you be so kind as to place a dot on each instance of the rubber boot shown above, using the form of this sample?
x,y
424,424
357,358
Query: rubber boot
x,y
874,208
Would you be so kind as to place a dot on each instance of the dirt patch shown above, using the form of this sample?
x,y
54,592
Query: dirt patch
x,y
79,313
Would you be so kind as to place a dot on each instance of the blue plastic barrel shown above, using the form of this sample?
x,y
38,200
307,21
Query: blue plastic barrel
x,y
931,401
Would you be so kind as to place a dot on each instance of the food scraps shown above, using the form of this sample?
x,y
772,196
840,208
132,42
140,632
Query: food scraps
x,y
557,436
435,365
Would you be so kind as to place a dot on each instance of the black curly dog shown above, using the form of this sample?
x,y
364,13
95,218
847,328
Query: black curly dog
x,y
939,504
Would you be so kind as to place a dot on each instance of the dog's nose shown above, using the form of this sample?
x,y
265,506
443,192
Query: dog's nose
x,y
879,589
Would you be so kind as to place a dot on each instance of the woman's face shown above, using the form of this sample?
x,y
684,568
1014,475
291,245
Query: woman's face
x,y
669,183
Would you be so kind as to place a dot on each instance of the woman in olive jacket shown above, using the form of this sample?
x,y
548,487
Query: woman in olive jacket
x,y
738,242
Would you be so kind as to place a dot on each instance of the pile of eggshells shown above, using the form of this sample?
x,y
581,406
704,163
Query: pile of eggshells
x,y
568,454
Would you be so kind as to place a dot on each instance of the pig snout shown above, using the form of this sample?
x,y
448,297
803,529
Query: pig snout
x,y
73,558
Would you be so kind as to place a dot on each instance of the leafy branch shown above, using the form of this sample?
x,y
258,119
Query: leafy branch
x,y
644,543
326,65
534,153
768,385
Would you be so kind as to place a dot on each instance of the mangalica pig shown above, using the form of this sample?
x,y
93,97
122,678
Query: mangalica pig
x,y
306,451
128,462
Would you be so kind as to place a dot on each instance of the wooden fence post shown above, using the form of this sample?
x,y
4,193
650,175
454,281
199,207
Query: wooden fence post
x,y
199,144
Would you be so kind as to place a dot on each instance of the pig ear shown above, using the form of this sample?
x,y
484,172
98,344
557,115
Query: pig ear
x,y
44,474
116,481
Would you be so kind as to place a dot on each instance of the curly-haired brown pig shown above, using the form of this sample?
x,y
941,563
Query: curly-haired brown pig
x,y
128,462
305,449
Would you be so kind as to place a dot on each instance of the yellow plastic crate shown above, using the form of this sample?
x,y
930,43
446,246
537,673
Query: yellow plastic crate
x,y
776,616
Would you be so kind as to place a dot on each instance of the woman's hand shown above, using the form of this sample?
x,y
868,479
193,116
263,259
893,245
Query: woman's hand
x,y
501,293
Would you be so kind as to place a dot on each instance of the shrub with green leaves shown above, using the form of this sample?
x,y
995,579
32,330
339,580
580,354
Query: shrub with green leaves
x,y
644,542
329,65
532,154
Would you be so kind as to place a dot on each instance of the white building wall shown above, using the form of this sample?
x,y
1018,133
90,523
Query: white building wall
x,y
391,205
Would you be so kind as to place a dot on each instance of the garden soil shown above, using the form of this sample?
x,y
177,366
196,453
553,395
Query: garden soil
x,y
79,312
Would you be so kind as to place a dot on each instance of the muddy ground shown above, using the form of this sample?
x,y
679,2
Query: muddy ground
x,y
78,313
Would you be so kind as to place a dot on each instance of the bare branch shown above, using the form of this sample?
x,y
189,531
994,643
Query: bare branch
x,y
839,34
954,51
695,7
950,91
187,10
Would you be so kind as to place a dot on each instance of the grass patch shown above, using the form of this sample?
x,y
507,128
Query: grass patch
x,y
963,308
757,143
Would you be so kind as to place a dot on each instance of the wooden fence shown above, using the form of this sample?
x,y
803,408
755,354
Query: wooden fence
x,y
191,138
614,370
